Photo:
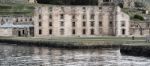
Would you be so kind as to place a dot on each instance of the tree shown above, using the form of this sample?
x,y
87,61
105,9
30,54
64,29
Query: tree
x,y
69,2
139,17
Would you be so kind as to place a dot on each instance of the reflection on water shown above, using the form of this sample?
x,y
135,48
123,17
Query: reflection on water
x,y
13,55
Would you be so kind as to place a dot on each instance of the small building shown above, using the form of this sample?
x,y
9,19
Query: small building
x,y
9,29
18,25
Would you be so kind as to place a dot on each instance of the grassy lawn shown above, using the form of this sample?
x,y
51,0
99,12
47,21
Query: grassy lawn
x,y
85,40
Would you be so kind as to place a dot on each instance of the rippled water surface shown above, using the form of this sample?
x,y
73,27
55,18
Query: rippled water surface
x,y
12,55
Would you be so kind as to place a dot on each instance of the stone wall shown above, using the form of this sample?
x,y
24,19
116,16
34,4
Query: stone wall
x,y
139,28
122,24
6,32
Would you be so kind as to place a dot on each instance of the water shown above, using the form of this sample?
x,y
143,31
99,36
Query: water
x,y
12,55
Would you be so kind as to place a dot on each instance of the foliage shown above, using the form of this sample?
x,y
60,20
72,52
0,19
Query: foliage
x,y
15,9
69,2
139,17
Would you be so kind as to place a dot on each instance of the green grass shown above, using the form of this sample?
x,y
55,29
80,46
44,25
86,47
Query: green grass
x,y
84,41
11,9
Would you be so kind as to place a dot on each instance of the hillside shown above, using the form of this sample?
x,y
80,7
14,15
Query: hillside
x,y
13,1
14,9
59,2
22,7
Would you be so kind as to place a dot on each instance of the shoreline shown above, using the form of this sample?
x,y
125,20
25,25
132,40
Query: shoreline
x,y
60,44
133,48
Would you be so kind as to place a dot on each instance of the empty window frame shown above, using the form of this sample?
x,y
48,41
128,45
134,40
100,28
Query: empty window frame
x,y
40,31
50,31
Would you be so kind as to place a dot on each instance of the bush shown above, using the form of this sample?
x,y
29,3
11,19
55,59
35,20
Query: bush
x,y
139,17
69,2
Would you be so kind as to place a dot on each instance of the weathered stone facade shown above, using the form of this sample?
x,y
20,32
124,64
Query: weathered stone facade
x,y
139,28
74,21
68,21
122,23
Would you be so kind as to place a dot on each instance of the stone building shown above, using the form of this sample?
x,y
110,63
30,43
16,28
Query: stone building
x,y
71,21
18,25
105,19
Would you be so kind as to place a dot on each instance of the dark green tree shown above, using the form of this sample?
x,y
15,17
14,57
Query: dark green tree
x,y
139,17
68,2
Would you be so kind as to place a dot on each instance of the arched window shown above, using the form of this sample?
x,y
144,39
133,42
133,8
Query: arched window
x,y
40,31
73,31
50,24
92,23
84,31
84,24
92,31
123,31
50,31
62,31
73,24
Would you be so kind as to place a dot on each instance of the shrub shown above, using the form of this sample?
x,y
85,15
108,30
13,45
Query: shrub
x,y
139,17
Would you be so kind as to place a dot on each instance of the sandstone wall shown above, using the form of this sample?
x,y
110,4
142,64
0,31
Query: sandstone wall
x,y
100,14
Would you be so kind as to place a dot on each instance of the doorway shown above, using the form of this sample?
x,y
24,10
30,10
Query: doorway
x,y
123,31
19,33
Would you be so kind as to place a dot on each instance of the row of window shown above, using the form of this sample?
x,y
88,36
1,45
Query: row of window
x,y
84,24
62,8
62,31
92,16
18,20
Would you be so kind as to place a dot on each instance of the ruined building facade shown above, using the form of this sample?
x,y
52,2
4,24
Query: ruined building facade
x,y
105,19
73,21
